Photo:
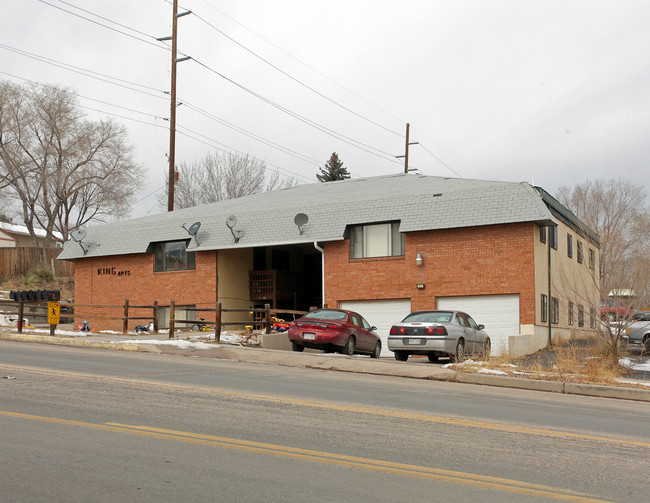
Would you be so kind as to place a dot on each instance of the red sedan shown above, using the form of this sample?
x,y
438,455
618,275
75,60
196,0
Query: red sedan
x,y
345,332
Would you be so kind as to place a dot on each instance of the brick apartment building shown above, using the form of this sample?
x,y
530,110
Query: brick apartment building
x,y
507,253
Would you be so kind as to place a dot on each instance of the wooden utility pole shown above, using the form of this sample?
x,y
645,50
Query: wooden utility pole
x,y
406,150
172,117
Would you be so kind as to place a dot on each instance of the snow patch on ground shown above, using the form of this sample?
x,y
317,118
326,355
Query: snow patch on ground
x,y
176,343
627,363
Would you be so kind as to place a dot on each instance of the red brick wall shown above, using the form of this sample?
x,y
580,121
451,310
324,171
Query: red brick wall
x,y
109,280
472,261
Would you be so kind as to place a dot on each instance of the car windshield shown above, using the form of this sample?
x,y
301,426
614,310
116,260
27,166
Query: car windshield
x,y
325,314
429,317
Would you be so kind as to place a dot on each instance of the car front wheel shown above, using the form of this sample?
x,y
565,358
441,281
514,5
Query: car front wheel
x,y
485,353
433,358
401,356
348,349
377,351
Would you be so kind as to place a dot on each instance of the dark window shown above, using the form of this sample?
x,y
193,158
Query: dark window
x,y
592,260
552,237
570,313
581,315
569,245
376,240
592,317
580,255
173,256
542,234
544,308
555,310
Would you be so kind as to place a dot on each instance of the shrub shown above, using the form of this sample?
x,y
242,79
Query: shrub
x,y
38,275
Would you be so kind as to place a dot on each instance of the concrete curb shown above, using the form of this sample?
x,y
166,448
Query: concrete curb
x,y
354,365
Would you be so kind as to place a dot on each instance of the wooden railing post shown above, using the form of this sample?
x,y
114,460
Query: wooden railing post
x,y
125,325
21,310
217,325
267,313
172,309
155,316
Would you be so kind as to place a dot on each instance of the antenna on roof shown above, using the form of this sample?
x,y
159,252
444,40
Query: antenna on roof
x,y
231,221
301,220
77,236
194,228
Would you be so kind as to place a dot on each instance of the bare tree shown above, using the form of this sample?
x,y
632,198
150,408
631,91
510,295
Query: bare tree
x,y
218,177
618,212
65,171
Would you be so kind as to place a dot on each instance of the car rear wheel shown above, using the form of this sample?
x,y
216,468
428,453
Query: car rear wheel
x,y
348,349
377,351
297,347
401,356
432,358
459,356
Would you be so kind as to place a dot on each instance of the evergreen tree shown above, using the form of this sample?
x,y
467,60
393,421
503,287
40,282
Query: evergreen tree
x,y
333,170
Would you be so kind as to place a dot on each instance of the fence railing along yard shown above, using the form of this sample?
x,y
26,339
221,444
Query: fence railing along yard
x,y
128,312
18,261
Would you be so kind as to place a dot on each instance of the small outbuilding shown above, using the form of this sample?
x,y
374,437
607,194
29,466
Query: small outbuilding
x,y
507,253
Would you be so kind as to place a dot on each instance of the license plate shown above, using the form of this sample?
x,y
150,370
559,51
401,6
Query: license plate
x,y
413,341
308,336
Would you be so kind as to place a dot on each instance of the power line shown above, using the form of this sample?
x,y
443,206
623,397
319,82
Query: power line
x,y
213,142
87,73
298,81
103,25
341,137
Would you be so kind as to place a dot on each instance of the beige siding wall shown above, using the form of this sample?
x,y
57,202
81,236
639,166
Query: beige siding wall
x,y
571,281
232,283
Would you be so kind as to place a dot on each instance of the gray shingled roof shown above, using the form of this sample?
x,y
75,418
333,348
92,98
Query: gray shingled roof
x,y
419,202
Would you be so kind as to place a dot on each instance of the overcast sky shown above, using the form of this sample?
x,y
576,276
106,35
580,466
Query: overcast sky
x,y
548,92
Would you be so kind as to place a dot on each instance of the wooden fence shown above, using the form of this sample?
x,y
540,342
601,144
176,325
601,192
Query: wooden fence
x,y
17,261
150,314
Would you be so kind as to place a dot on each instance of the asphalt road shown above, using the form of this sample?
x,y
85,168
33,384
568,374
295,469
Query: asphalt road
x,y
88,425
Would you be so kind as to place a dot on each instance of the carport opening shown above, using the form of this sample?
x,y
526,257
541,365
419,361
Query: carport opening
x,y
287,277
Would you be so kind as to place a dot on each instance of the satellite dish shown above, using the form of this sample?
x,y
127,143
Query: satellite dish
x,y
301,220
78,235
231,221
194,228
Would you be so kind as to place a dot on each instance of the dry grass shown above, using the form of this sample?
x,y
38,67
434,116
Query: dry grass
x,y
583,361
36,282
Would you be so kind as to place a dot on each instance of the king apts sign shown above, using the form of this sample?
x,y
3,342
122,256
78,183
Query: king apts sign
x,y
112,271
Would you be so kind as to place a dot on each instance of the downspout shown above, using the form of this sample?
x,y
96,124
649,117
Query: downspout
x,y
550,299
322,251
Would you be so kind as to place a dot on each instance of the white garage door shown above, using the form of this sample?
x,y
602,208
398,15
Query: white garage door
x,y
382,314
499,314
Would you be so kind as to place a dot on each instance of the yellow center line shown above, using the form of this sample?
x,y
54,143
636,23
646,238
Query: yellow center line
x,y
424,472
394,414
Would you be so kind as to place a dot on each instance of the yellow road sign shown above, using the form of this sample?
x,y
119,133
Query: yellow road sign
x,y
53,313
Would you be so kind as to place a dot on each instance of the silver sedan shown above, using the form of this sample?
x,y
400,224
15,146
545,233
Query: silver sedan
x,y
439,333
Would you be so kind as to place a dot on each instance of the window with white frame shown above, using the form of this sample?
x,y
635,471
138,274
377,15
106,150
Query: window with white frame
x,y
570,313
376,240
544,308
